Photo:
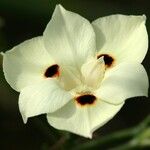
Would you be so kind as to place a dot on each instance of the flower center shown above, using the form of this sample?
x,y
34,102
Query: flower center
x,y
86,99
52,71
107,59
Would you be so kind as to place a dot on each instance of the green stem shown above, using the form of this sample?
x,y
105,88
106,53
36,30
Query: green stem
x,y
131,145
126,134
127,146
58,144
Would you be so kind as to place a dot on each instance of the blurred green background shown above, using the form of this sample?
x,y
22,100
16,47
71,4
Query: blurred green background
x,y
24,19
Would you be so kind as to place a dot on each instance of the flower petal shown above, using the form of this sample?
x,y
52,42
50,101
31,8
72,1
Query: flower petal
x,y
82,120
123,81
124,37
26,63
44,97
69,38
69,78
93,72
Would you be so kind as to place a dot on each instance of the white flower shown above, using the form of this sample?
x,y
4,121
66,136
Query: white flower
x,y
78,73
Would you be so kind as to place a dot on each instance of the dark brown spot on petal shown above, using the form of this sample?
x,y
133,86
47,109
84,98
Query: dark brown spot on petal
x,y
107,59
86,99
52,71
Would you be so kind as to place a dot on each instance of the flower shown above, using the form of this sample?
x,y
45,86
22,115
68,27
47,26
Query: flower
x,y
79,74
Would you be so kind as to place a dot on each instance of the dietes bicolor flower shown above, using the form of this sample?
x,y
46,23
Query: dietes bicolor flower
x,y
79,73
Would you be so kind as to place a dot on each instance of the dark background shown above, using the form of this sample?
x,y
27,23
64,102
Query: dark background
x,y
24,19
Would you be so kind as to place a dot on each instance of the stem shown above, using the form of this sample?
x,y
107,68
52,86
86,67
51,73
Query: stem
x,y
131,145
58,144
126,134
127,146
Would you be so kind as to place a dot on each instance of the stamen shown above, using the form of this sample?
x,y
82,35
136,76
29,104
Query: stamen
x,y
52,71
107,59
86,99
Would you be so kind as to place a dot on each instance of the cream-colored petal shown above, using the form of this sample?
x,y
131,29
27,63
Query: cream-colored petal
x,y
123,37
124,81
69,38
69,78
44,97
26,63
83,120
93,72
